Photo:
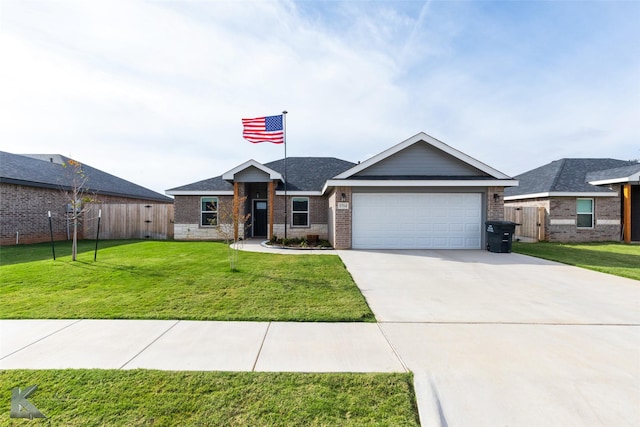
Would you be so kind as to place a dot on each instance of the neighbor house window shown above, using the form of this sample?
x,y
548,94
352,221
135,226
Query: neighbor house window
x,y
585,213
300,211
208,211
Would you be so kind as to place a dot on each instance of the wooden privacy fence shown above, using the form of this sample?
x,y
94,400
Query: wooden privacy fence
x,y
129,221
530,220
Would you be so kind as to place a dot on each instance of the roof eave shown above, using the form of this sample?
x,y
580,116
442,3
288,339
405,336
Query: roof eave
x,y
622,180
419,183
198,193
561,194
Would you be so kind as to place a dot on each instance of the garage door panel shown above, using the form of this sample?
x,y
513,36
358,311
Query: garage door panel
x,y
417,221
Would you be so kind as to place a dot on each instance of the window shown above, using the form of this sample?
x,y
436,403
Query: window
x,y
208,211
585,213
300,211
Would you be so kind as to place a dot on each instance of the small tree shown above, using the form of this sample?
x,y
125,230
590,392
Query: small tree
x,y
77,196
231,225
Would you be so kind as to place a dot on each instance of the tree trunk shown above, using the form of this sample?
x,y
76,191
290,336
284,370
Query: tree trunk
x,y
74,245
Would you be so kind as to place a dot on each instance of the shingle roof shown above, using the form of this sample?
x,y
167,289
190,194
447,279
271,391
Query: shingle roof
x,y
564,175
46,171
211,184
309,173
303,174
616,173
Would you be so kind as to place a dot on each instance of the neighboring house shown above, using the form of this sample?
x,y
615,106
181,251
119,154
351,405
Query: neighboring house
x,y
33,185
420,193
584,199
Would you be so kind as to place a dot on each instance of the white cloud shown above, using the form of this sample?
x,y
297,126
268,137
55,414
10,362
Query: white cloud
x,y
154,91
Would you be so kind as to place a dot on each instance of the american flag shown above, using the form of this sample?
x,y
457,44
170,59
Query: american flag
x,y
264,129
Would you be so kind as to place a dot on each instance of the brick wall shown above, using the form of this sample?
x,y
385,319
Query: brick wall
x,y
495,207
342,219
23,211
560,220
187,218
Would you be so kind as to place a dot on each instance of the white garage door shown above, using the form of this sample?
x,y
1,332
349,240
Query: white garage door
x,y
417,221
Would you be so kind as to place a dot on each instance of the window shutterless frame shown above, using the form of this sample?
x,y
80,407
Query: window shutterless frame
x,y
300,212
584,213
208,211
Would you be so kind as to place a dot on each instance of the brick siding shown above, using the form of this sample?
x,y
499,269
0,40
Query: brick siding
x,y
560,218
342,219
495,207
187,217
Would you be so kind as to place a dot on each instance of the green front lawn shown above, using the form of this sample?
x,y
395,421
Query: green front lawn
x,y
174,280
613,258
139,397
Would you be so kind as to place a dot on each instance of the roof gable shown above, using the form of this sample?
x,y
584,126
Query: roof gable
x,y
422,156
420,160
45,171
251,170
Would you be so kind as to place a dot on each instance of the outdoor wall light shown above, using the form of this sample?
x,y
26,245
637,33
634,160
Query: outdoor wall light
x,y
257,195
343,197
496,197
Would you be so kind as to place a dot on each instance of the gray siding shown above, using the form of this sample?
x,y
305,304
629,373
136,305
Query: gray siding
x,y
421,159
251,174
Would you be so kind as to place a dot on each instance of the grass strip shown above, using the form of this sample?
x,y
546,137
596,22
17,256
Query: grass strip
x,y
613,258
161,398
175,280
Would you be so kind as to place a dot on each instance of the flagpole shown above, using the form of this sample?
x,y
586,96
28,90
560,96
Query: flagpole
x,y
284,131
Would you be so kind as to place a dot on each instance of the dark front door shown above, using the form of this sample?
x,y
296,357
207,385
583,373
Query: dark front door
x,y
635,213
259,218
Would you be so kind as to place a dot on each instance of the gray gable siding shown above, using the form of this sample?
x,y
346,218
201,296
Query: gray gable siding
x,y
251,174
421,160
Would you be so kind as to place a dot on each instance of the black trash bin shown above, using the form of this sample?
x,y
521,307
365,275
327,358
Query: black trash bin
x,y
500,235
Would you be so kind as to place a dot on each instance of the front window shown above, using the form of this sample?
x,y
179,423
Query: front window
x,y
300,211
585,213
208,211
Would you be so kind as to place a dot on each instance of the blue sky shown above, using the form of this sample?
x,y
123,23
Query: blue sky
x,y
154,92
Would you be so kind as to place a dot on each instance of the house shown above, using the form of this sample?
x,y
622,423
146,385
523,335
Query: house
x,y
31,186
420,193
584,199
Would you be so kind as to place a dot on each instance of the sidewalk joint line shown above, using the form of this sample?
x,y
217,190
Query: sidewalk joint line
x,y
150,344
264,338
404,365
43,338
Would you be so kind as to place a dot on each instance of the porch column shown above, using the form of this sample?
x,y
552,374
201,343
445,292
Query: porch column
x,y
236,208
626,222
271,202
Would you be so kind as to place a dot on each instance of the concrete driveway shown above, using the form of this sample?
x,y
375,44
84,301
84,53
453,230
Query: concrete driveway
x,y
506,339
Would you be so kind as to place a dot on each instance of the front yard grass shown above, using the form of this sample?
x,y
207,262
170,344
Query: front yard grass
x,y
140,397
174,280
613,258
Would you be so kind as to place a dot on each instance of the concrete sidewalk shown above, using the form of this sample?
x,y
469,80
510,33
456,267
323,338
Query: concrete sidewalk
x,y
196,346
